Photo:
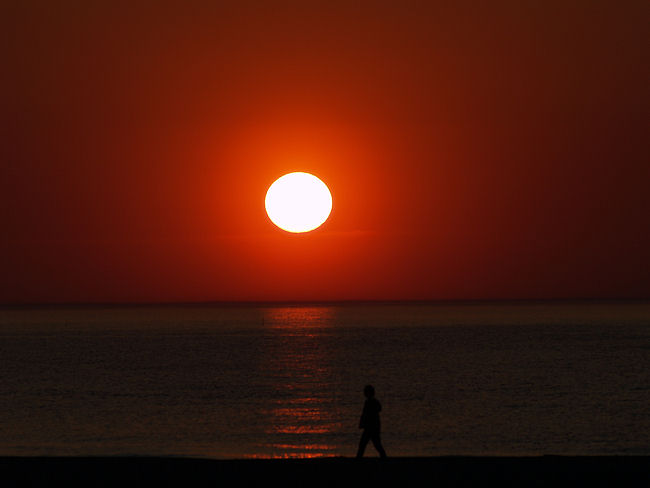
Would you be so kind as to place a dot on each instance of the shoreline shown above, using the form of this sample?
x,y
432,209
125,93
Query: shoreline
x,y
406,471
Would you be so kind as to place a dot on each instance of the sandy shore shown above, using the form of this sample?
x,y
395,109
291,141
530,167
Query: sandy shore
x,y
440,471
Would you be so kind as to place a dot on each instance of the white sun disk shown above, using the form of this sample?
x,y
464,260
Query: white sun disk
x,y
298,202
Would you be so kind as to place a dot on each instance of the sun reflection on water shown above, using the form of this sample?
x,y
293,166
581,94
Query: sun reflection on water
x,y
302,413
298,318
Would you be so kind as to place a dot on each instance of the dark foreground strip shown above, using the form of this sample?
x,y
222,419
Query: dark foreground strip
x,y
331,472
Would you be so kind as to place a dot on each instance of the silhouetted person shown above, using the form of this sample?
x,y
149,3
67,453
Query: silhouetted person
x,y
370,423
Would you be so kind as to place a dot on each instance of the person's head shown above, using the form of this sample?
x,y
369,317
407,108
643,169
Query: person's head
x,y
369,391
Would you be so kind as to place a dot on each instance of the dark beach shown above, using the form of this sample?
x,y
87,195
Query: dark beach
x,y
434,471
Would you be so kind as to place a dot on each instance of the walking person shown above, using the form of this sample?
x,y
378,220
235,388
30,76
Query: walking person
x,y
370,423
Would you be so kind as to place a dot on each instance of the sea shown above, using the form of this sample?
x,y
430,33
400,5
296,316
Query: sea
x,y
232,381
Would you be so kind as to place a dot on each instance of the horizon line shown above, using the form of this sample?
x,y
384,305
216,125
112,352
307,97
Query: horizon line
x,y
297,303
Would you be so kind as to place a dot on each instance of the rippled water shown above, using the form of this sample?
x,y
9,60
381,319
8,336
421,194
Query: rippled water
x,y
232,382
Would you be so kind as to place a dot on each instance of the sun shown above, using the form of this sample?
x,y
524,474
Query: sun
x,y
298,202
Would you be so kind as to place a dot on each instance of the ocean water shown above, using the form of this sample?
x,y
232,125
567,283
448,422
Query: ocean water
x,y
287,381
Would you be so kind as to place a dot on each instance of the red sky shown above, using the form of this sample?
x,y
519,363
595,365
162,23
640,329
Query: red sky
x,y
474,150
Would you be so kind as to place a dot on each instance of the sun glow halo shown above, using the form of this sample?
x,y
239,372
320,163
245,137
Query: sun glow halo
x,y
298,202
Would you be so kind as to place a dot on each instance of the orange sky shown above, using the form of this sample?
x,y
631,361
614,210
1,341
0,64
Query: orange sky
x,y
473,150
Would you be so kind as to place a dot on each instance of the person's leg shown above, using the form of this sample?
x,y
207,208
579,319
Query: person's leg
x,y
376,441
365,437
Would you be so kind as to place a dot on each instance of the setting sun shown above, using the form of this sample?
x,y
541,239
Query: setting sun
x,y
298,202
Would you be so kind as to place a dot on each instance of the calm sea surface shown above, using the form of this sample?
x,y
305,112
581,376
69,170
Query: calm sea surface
x,y
233,382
